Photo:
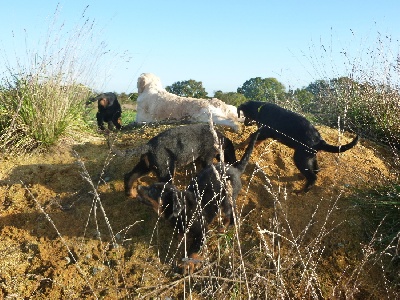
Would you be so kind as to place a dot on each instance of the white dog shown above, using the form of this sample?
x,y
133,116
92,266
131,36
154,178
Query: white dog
x,y
155,104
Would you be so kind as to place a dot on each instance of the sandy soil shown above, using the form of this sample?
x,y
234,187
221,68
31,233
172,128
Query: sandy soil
x,y
58,242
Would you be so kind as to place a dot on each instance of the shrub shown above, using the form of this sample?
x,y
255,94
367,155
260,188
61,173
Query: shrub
x,y
38,112
42,94
368,108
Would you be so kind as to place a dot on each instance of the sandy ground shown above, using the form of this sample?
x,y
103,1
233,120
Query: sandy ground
x,y
69,232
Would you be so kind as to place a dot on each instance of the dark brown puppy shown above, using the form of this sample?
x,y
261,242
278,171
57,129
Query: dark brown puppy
x,y
109,110
192,210
294,131
178,146
181,209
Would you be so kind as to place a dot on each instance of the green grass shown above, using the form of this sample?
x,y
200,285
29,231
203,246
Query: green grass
x,y
128,116
381,208
36,112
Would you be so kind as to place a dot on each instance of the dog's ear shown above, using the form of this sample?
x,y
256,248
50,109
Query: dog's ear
x,y
150,195
140,84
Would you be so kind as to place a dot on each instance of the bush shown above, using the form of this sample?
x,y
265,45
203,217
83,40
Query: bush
x,y
36,113
365,100
42,94
370,109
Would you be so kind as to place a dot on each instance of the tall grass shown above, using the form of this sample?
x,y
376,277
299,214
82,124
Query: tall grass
x,y
42,94
37,113
365,95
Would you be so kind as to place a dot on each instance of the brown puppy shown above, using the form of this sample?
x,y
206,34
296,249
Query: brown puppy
x,y
192,210
109,110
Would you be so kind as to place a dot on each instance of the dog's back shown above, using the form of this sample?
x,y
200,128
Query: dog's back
x,y
281,124
184,144
290,128
155,104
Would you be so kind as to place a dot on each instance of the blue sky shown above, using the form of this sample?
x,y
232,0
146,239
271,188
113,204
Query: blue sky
x,y
221,43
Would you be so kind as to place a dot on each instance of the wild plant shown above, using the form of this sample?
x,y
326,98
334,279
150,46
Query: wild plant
x,y
42,95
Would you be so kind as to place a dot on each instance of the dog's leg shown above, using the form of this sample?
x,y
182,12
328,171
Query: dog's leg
x,y
228,204
142,168
244,144
229,151
110,125
315,165
100,120
305,162
117,121
194,259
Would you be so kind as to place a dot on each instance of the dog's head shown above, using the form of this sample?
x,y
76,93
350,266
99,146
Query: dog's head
x,y
247,121
105,99
250,111
148,80
164,198
103,102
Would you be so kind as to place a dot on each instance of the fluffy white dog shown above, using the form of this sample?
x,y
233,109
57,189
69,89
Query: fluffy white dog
x,y
155,104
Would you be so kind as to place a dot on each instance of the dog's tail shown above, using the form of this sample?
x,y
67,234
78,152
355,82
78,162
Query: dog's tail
x,y
324,146
241,165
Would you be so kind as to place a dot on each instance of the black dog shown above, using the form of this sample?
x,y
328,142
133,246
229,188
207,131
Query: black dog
x,y
109,110
294,131
177,146
193,209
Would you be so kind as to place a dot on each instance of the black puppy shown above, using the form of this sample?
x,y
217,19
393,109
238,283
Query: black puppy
x,y
294,131
109,110
178,146
193,209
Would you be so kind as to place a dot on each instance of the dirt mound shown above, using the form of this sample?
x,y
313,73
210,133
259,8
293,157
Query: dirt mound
x,y
68,231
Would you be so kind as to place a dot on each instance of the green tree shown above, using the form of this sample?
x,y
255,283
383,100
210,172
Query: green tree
x,y
188,88
304,97
263,89
331,97
133,96
319,88
231,98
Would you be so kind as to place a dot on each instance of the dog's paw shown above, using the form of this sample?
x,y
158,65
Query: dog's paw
x,y
131,193
191,263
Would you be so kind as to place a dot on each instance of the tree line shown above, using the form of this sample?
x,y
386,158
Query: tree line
x,y
371,109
